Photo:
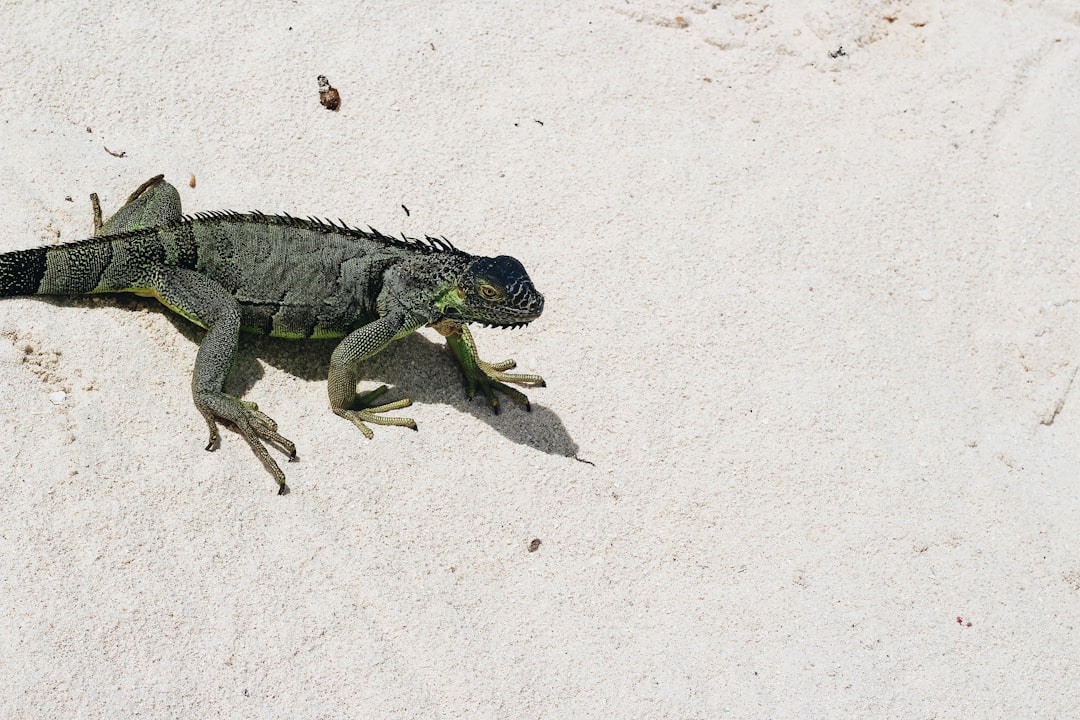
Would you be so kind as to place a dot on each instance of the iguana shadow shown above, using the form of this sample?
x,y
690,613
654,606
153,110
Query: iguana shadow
x,y
413,367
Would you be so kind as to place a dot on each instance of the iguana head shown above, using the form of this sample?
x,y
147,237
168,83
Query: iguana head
x,y
492,291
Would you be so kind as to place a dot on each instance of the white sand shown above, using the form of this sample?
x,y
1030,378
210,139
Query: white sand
x,y
814,320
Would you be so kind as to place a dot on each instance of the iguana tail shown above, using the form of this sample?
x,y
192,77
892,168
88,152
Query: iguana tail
x,y
70,269
22,271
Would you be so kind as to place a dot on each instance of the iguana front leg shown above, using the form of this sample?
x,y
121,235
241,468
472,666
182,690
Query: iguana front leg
x,y
489,377
345,373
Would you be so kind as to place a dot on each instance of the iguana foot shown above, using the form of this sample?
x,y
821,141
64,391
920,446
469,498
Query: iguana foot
x,y
490,377
253,424
362,411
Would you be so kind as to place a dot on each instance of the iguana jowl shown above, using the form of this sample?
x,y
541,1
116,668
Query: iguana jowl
x,y
292,278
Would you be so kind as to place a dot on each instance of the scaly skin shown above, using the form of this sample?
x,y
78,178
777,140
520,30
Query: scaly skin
x,y
291,278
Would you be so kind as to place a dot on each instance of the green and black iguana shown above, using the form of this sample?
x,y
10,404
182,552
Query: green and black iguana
x,y
292,278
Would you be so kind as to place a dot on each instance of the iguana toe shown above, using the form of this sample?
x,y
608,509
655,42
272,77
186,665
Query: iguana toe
x,y
254,425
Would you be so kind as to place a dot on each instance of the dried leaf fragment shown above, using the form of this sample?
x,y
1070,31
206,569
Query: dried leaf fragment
x,y
328,94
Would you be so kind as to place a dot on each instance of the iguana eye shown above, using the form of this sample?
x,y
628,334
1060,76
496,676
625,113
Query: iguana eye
x,y
489,292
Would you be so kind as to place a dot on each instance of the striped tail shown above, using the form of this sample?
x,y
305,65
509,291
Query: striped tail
x,y
70,269
21,271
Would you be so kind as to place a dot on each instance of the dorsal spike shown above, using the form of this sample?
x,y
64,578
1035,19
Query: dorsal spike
x,y
427,244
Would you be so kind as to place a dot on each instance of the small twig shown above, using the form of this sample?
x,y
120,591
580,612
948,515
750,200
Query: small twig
x,y
1049,419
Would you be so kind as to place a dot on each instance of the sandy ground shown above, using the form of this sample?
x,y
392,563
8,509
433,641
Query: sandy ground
x,y
812,319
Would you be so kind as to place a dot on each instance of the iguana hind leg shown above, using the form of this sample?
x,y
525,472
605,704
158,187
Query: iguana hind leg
x,y
488,377
153,203
207,303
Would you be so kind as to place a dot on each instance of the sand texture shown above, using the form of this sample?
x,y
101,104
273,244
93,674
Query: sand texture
x,y
811,437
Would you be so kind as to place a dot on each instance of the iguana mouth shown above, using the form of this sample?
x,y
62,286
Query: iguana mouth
x,y
452,313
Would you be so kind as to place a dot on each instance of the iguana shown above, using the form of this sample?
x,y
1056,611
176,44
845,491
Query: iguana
x,y
293,278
